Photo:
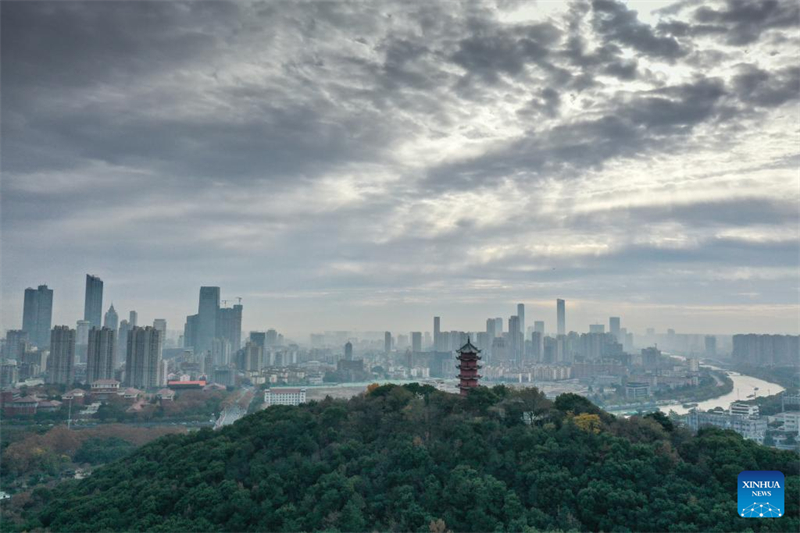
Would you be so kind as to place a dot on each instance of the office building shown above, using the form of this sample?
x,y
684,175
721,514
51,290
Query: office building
x,y
743,409
259,338
161,325
498,327
122,342
16,344
37,315
229,325
490,328
111,320
348,351
133,319
253,357
93,302
710,346
597,328
416,341
514,336
143,368
387,342
538,327
521,317
561,316
207,311
613,327
272,338
537,346
61,363
101,354
437,334
284,396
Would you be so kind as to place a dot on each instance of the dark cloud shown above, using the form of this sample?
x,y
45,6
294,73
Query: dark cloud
x,y
617,23
762,88
743,21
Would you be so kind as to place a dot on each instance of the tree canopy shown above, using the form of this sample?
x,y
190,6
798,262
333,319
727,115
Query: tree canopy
x,y
410,458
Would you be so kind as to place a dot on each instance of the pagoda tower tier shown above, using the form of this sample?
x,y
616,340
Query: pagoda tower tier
x,y
468,357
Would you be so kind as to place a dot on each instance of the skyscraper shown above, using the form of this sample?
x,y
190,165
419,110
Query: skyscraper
x,y
597,328
416,341
122,342
348,351
161,325
143,367
133,319
490,328
207,311
613,327
537,346
229,325
16,344
561,312
538,326
437,334
387,341
514,336
498,327
101,354
61,363
93,302
37,315
111,320
521,316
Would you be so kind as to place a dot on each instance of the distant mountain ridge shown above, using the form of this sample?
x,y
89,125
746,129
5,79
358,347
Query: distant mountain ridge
x,y
410,458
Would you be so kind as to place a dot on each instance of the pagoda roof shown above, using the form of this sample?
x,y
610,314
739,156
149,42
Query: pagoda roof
x,y
468,348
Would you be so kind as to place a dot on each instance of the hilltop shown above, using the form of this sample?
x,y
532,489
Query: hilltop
x,y
410,458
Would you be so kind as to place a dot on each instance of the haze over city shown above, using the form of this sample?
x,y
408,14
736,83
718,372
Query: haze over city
x,y
369,166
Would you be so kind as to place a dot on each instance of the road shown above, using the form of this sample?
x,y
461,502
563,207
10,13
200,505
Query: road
x,y
234,412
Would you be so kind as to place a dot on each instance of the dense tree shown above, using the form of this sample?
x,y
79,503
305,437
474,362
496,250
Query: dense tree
x,y
415,459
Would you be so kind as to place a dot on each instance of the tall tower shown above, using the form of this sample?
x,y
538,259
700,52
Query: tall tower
x,y
133,319
437,334
468,357
111,320
207,311
521,316
514,337
561,315
37,315
61,364
387,342
348,351
416,341
613,327
101,354
93,302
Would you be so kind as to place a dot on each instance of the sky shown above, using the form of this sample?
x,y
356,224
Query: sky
x,y
367,165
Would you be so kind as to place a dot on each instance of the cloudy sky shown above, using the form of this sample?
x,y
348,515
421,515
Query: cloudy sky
x,y
366,165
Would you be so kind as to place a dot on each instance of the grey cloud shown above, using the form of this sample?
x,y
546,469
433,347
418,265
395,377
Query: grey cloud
x,y
743,21
762,88
617,23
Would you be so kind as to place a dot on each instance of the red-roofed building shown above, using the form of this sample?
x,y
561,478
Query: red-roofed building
x,y
196,384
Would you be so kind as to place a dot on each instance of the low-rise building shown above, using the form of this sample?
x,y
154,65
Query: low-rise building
x,y
743,409
284,396
751,428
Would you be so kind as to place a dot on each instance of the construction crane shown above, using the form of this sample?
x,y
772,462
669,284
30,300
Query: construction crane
x,y
240,299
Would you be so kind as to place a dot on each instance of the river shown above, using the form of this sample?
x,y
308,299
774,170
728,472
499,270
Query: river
x,y
743,386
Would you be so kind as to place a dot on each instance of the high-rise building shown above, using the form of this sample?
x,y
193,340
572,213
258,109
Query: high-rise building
x,y
207,311
561,316
161,325
490,328
93,302
37,315
111,320
538,326
416,341
258,337
122,342
437,334
521,316
710,346
613,327
229,325
16,344
143,366
348,351
101,354
61,363
537,346
498,327
254,357
190,331
272,338
133,319
387,341
597,328
514,348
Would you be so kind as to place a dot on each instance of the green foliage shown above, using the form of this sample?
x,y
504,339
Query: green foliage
x,y
99,451
413,459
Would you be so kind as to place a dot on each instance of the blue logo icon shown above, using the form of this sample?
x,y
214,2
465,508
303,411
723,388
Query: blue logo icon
x,y
761,494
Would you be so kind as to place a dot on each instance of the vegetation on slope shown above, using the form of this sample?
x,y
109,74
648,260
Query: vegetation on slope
x,y
414,459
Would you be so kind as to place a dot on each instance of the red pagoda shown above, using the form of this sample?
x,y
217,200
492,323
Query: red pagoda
x,y
468,367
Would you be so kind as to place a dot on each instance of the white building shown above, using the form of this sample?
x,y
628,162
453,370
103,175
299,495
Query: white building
x,y
791,421
749,428
743,409
284,396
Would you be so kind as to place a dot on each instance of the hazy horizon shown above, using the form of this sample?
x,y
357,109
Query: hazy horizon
x,y
368,166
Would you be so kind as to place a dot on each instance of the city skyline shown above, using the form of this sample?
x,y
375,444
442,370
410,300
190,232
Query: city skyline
x,y
341,166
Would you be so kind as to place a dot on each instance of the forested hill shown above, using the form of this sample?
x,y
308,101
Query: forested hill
x,y
414,459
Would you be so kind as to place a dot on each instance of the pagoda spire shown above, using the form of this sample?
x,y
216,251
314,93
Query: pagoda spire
x,y
468,357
